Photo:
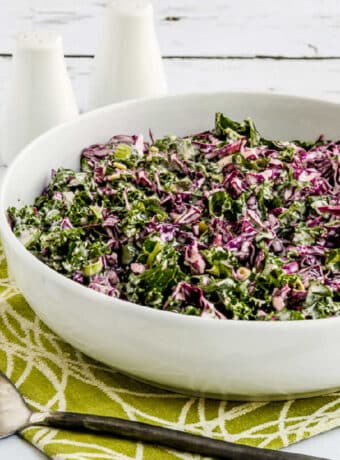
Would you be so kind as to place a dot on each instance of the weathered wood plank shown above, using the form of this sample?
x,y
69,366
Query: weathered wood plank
x,y
308,78
193,27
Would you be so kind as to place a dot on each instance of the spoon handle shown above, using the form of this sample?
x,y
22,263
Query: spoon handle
x,y
173,439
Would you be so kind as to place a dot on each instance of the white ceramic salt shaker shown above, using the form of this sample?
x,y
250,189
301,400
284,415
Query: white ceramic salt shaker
x,y
40,94
128,63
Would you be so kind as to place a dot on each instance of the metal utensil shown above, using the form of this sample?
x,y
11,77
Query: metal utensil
x,y
15,416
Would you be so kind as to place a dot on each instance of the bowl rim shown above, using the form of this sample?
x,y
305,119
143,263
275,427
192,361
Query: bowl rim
x,y
83,291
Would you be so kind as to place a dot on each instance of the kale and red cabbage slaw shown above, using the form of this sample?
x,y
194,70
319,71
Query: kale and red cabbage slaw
x,y
222,224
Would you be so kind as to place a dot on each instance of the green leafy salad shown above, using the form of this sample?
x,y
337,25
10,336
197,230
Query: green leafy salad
x,y
222,224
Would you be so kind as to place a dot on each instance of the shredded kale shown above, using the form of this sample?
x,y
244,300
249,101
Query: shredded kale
x,y
222,224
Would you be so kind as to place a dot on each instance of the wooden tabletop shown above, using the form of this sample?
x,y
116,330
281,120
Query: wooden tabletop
x,y
287,46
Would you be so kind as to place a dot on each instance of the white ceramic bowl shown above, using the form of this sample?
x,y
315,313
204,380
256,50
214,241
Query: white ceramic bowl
x,y
229,359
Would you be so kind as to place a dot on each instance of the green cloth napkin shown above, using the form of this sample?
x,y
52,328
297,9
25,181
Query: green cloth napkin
x,y
53,375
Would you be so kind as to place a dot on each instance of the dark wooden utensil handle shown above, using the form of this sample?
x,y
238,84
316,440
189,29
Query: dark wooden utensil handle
x,y
163,436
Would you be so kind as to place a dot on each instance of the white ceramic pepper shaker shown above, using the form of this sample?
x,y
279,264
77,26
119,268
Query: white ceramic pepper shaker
x,y
40,94
128,63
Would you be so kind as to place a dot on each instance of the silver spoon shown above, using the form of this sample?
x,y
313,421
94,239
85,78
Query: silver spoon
x,y
15,416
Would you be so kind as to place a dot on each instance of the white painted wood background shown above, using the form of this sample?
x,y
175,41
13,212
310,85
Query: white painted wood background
x,y
289,46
